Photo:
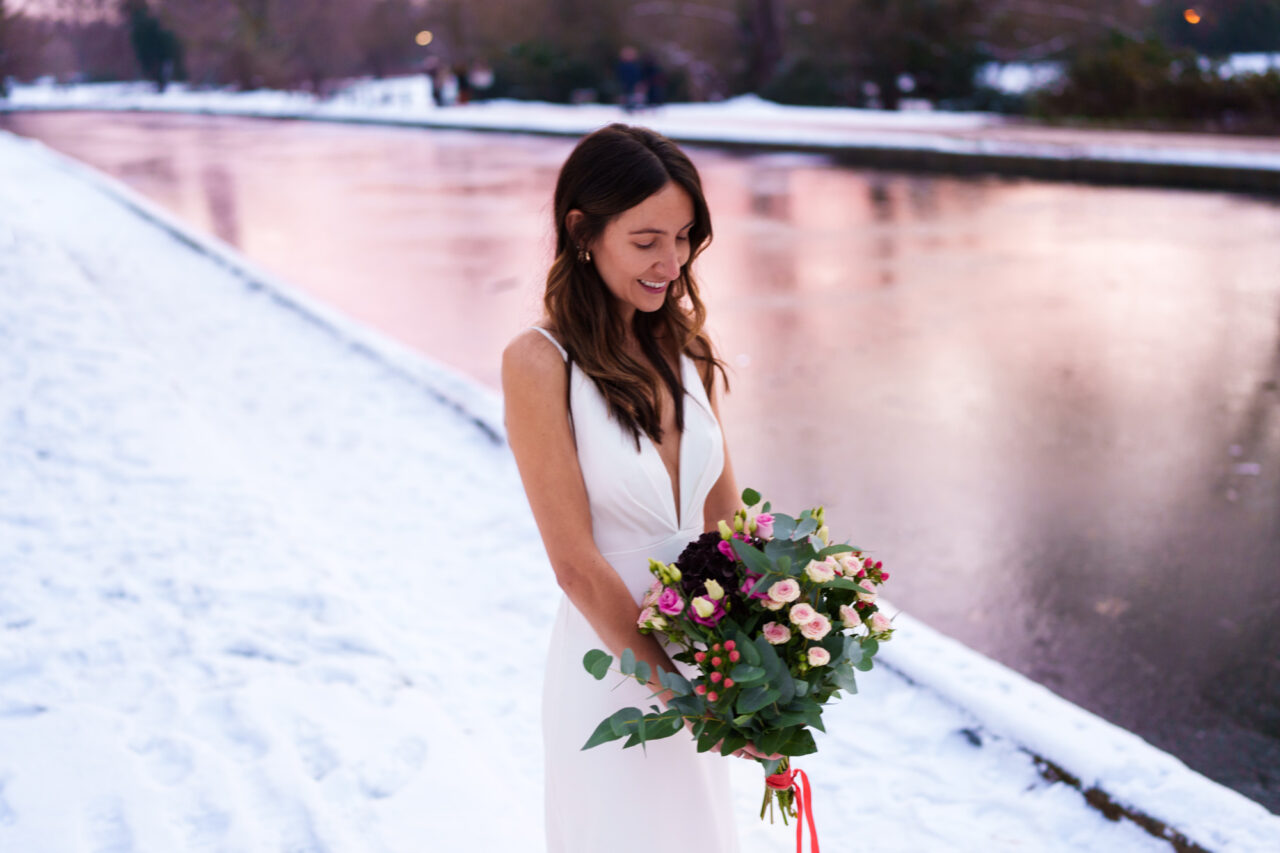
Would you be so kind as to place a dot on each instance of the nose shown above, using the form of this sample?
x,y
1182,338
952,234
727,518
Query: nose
x,y
669,266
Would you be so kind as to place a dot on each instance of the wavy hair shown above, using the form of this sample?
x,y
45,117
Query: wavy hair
x,y
610,171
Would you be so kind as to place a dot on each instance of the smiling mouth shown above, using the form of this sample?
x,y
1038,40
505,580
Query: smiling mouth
x,y
653,286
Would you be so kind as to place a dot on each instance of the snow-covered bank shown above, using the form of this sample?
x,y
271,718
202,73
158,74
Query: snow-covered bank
x,y
906,139
236,614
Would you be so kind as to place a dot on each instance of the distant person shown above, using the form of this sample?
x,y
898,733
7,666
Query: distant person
x,y
654,81
462,74
630,79
481,79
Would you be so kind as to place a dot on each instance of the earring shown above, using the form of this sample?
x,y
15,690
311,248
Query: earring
x,y
584,255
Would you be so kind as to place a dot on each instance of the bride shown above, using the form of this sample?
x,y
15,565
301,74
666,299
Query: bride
x,y
612,415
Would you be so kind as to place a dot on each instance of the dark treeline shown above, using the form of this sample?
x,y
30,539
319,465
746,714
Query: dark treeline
x,y
1142,59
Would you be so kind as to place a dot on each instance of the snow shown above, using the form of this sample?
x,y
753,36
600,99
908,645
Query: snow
x,y
255,553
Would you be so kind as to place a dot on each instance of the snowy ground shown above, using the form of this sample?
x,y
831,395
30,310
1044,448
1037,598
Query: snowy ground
x,y
252,553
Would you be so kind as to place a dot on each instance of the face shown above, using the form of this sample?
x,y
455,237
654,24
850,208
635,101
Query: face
x,y
641,251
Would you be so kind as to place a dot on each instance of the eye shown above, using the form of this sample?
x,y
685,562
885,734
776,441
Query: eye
x,y
646,245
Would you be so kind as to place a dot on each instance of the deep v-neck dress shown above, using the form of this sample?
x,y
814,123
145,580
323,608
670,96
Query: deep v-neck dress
x,y
607,799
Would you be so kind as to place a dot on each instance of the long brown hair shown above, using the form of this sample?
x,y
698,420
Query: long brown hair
x,y
610,171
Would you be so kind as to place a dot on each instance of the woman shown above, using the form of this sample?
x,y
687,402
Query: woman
x,y
611,414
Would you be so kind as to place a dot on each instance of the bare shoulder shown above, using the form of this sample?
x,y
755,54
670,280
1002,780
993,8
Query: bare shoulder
x,y
530,358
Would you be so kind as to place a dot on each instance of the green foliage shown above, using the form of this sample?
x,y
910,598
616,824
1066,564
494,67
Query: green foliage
x,y
1121,78
597,663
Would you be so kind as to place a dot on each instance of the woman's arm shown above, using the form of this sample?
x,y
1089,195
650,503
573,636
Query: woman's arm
x,y
535,388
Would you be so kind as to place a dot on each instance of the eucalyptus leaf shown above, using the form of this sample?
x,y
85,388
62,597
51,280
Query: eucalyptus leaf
x,y
732,743
845,680
597,663
745,673
642,672
603,734
712,735
750,497
747,649
800,743
754,698
675,682
625,720
804,528
783,526
628,662
749,554
870,646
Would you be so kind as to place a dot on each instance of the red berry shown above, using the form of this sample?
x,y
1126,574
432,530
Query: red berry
x,y
728,682
733,656
712,696
716,677
730,645
879,564
862,573
700,656
884,576
715,661
700,689
716,647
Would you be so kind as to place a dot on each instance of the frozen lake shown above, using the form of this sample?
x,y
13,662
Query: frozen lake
x,y
1052,409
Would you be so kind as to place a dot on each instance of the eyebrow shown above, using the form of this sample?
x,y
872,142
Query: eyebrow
x,y
656,230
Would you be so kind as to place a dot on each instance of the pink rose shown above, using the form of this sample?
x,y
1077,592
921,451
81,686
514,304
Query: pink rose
x,y
867,592
818,656
651,596
670,602
764,525
802,613
880,623
849,616
645,615
785,591
821,572
775,633
770,604
816,628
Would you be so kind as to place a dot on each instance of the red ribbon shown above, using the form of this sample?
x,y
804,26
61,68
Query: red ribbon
x,y
786,780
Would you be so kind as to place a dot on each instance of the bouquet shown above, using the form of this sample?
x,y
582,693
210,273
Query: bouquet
x,y
775,619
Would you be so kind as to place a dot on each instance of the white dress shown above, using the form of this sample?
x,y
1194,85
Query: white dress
x,y
608,799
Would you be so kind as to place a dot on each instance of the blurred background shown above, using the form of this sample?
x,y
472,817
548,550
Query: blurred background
x,y
1052,408
1201,65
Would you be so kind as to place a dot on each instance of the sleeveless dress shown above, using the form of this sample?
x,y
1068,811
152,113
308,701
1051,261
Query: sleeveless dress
x,y
608,799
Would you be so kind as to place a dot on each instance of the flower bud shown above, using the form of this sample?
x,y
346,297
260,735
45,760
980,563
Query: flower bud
x,y
737,524
714,591
703,607
726,532
824,534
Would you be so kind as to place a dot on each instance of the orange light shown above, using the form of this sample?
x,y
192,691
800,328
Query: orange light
x,y
1192,16
423,38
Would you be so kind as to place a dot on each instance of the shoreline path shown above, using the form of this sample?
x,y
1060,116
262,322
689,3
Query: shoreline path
x,y
255,560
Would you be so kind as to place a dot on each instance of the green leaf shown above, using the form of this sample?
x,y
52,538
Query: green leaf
x,y
767,506
832,550
863,665
800,743
749,652
745,673
803,529
789,718
624,721
732,743
784,564
643,672
749,554
675,682
771,741
597,663
750,497
802,687
603,734
712,735
754,698
845,680
628,664
870,647
813,716
783,526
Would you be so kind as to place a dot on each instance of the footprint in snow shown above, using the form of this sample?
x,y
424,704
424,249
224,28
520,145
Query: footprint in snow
x,y
317,755
383,775
106,829
168,760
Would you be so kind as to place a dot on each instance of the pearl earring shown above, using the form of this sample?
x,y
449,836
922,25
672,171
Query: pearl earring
x,y
584,255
